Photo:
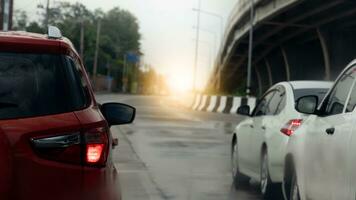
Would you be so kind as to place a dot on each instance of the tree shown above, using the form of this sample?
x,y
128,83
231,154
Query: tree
x,y
34,27
20,20
119,33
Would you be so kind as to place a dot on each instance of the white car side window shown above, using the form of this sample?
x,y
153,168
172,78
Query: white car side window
x,y
262,106
351,103
339,94
278,102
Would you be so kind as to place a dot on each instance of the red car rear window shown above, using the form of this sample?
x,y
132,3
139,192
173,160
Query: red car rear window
x,y
38,84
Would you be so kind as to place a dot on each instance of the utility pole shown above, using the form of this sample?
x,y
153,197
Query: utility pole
x,y
196,47
95,67
82,39
108,76
47,14
250,50
124,77
6,7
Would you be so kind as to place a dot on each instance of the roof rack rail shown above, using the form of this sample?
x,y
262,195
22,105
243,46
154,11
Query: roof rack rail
x,y
54,32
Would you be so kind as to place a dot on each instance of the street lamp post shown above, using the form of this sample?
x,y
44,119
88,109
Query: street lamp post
x,y
199,11
213,51
212,33
221,18
196,47
250,50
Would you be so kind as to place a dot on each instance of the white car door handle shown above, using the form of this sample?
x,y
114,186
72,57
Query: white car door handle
x,y
263,128
330,131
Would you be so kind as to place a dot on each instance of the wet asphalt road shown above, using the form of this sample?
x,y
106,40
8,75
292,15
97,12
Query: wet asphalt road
x,y
173,153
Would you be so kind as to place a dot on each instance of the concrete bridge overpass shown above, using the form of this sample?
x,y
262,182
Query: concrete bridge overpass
x,y
293,40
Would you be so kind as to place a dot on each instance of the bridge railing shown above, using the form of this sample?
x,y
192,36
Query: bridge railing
x,y
240,8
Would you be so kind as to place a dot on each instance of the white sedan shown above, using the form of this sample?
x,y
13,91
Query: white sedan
x,y
259,143
321,159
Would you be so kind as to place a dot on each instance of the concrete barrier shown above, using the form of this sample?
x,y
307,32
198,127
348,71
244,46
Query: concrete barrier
x,y
221,104
217,104
228,105
202,103
196,101
207,103
235,105
252,102
212,104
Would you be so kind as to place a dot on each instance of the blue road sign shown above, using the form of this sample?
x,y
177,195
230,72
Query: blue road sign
x,y
132,58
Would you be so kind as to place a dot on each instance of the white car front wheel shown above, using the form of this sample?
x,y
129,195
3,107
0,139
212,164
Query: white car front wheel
x,y
269,190
294,190
265,180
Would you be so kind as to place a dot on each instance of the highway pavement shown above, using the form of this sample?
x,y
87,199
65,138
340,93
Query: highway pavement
x,y
173,153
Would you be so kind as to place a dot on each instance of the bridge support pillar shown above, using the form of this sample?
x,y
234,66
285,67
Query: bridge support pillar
x,y
259,80
326,54
286,62
269,71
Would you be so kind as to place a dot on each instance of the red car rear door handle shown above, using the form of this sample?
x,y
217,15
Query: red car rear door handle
x,y
62,141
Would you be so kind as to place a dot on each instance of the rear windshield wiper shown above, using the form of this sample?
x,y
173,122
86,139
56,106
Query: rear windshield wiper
x,y
8,105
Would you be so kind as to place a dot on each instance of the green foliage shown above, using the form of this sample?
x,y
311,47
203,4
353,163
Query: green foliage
x,y
119,32
35,28
20,19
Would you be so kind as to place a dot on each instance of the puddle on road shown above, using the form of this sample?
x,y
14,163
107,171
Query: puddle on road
x,y
186,144
162,118
130,132
178,154
182,133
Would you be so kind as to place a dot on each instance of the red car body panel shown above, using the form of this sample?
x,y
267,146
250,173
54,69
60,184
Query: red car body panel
x,y
5,166
32,176
24,174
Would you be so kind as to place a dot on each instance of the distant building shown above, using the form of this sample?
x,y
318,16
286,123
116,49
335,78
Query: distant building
x,y
6,11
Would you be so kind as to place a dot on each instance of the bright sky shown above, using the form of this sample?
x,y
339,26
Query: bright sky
x,y
168,35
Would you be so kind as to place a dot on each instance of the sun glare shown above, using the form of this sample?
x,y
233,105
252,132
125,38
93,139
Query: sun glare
x,y
179,83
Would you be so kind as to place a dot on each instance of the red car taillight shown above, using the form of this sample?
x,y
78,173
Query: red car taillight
x,y
94,152
96,146
88,148
292,125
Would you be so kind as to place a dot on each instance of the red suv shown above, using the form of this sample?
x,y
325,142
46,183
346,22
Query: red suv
x,y
55,140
